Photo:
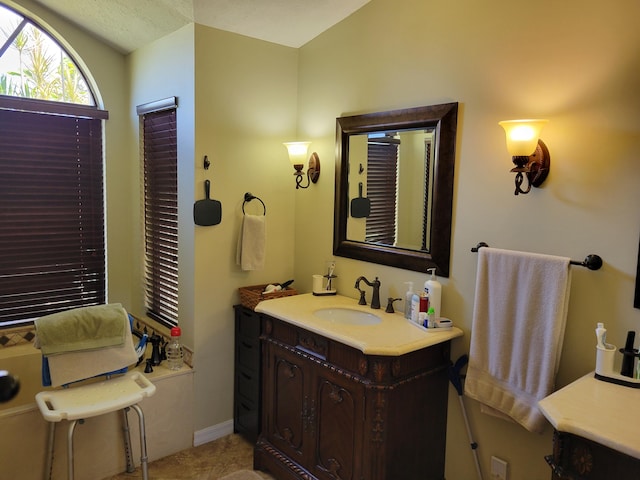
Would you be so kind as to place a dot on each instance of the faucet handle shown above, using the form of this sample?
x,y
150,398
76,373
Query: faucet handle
x,y
363,300
389,308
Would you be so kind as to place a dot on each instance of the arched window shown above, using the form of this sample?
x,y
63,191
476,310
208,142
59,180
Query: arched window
x,y
52,222
33,65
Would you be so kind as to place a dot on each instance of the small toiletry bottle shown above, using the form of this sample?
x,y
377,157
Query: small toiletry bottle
x,y
423,308
415,307
601,335
424,302
407,301
174,350
434,290
431,318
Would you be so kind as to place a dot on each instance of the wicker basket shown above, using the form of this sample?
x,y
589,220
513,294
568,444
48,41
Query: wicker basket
x,y
251,296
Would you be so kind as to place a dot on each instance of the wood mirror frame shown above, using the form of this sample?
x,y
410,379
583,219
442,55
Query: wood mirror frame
x,y
444,119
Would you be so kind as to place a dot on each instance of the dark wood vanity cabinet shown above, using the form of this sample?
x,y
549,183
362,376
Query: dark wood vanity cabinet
x,y
330,412
576,458
247,370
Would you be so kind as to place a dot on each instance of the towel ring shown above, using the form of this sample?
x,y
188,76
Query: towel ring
x,y
248,197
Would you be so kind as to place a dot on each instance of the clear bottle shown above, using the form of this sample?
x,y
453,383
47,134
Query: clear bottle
x,y
407,301
415,308
174,350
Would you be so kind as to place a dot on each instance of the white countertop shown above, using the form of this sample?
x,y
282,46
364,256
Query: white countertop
x,y
599,411
393,336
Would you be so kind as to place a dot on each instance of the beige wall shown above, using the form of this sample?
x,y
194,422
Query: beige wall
x,y
236,105
246,93
500,60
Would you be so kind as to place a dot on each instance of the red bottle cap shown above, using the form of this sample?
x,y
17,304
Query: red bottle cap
x,y
176,332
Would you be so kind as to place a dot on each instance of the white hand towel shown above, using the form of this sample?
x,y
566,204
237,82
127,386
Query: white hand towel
x,y
517,332
252,242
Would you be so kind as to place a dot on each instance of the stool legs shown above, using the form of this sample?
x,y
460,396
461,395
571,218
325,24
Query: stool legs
x,y
72,425
49,460
127,441
72,428
143,443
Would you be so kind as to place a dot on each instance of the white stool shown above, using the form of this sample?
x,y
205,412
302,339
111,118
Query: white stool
x,y
86,401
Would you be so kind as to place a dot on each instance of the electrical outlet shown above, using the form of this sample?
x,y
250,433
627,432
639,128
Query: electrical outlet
x,y
498,469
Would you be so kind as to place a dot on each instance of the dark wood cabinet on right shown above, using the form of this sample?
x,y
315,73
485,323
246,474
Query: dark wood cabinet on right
x,y
331,412
576,458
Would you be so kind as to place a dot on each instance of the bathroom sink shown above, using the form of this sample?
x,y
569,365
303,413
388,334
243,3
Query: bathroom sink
x,y
347,316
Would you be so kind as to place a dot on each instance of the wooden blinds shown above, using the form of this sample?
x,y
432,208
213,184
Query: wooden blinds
x,y
52,248
161,215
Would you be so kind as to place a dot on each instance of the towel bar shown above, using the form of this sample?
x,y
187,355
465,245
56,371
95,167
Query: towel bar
x,y
592,262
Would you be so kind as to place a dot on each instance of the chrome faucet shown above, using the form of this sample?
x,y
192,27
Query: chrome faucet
x,y
375,299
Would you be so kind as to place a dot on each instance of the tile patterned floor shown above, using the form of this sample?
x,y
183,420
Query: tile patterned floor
x,y
210,461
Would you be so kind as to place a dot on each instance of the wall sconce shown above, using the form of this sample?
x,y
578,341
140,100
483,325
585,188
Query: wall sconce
x,y
297,156
529,154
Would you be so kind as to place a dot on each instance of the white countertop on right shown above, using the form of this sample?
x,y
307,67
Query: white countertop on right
x,y
599,411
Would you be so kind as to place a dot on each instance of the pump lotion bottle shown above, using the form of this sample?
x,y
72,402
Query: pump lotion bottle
x,y
434,290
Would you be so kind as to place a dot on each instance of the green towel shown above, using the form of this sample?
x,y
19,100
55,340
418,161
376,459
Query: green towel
x,y
81,329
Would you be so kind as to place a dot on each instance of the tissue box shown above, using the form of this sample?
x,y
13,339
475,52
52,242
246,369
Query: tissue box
x,y
252,295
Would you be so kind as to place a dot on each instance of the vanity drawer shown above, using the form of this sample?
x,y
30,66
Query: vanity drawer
x,y
246,420
248,353
247,322
248,386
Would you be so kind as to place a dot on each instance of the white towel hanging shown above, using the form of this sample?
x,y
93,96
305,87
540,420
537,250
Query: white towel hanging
x,y
517,331
252,242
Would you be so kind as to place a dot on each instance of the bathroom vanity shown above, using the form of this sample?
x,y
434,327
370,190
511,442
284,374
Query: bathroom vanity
x,y
596,431
360,396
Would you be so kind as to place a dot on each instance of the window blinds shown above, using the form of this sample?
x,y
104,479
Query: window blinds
x,y
52,248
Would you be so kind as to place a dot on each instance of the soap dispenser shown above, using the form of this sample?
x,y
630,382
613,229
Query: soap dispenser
x,y
408,297
434,290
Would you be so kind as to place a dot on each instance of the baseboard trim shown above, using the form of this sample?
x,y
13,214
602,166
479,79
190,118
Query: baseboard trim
x,y
212,433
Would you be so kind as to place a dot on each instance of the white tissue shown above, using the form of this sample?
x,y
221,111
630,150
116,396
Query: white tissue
x,y
272,288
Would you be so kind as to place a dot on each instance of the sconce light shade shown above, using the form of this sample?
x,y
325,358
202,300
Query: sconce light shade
x,y
297,152
297,156
522,135
529,154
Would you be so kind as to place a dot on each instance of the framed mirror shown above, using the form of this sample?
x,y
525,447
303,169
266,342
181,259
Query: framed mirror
x,y
394,187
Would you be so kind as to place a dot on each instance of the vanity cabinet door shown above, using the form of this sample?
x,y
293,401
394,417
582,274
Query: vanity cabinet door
x,y
338,427
330,412
288,408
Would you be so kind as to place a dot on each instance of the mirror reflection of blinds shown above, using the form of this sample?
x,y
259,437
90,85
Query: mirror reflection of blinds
x,y
427,194
382,186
